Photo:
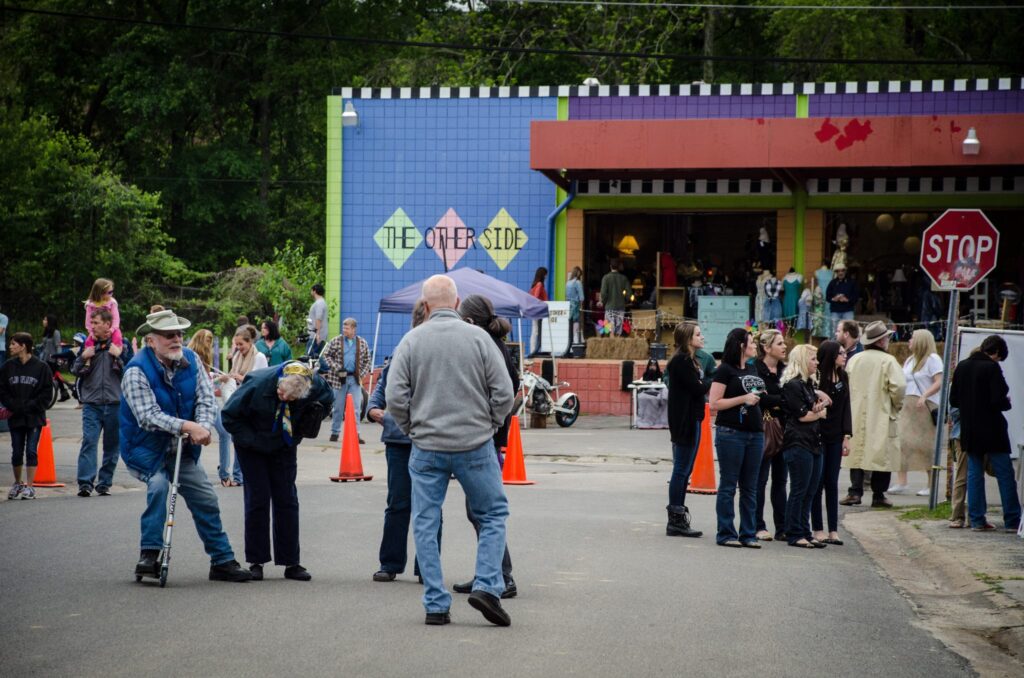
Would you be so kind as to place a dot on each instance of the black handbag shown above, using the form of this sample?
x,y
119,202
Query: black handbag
x,y
308,424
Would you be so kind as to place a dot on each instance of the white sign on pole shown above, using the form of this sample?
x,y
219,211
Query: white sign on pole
x,y
555,328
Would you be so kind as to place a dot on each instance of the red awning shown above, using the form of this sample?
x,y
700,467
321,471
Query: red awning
x,y
794,149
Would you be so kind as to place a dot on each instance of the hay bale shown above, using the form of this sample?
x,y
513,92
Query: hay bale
x,y
617,348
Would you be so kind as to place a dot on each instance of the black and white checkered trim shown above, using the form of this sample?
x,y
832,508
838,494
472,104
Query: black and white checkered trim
x,y
695,89
681,187
915,185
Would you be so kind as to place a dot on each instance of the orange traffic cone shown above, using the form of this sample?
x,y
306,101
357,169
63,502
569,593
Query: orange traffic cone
x,y
351,467
46,472
514,472
702,480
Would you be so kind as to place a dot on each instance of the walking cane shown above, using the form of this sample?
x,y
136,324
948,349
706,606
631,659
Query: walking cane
x,y
172,500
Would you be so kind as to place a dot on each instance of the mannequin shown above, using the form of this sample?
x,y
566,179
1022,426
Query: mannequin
x,y
803,316
791,284
824,276
759,300
772,302
842,242
765,250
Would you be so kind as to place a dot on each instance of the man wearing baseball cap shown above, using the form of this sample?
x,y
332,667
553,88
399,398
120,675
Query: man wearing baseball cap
x,y
167,395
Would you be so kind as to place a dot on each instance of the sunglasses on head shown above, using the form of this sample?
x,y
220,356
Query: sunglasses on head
x,y
109,292
169,334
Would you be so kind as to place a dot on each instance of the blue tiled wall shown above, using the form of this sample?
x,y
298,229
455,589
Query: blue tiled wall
x,y
427,156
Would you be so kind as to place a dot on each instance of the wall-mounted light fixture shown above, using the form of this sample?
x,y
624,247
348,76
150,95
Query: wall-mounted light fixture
x,y
971,144
349,117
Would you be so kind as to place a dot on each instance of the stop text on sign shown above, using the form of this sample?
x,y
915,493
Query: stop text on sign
x,y
951,248
959,249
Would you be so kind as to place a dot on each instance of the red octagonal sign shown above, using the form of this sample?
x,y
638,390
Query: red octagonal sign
x,y
959,249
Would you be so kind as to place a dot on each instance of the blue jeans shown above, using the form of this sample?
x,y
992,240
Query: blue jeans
x,y
196,490
832,458
351,387
683,457
480,477
804,473
976,502
739,459
394,551
25,445
224,445
96,418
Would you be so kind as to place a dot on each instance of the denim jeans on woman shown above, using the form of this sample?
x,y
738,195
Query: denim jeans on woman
x,y
224,445
683,457
24,445
804,473
832,458
976,502
394,543
739,459
478,472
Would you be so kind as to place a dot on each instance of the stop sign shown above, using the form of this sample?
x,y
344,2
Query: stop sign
x,y
959,249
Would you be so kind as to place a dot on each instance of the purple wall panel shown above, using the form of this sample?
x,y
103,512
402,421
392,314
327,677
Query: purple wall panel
x,y
916,103
657,107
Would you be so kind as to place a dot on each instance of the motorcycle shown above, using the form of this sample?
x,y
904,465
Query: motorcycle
x,y
541,397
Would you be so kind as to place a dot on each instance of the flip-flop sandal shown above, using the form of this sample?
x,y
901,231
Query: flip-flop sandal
x,y
767,536
834,542
225,482
956,524
818,544
732,543
807,545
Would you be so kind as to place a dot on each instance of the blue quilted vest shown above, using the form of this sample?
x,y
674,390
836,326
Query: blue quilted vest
x,y
143,451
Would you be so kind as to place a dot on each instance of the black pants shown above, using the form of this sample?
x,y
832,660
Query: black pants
x,y
879,483
776,466
270,482
829,486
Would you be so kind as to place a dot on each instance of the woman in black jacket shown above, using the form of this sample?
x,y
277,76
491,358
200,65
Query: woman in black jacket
x,y
836,431
478,310
686,391
771,354
25,383
982,394
801,442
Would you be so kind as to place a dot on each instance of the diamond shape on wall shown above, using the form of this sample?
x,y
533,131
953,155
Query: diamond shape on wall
x,y
398,238
450,238
503,239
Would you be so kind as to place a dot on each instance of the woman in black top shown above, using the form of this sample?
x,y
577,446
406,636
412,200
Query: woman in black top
x,y
801,442
686,391
836,430
771,352
739,441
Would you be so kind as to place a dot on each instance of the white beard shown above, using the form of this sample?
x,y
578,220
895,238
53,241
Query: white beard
x,y
175,356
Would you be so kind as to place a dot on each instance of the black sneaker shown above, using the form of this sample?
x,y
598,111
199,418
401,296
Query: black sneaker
x,y
229,571
510,589
257,571
297,572
362,442
381,575
147,563
334,437
438,618
466,587
84,491
490,607
103,491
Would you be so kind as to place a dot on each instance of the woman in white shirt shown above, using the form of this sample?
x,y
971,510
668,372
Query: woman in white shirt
x,y
244,360
923,370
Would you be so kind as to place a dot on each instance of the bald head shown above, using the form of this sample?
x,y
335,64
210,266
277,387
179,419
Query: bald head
x,y
439,291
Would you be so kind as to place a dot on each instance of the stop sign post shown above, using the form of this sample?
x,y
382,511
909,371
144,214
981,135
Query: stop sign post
x,y
957,251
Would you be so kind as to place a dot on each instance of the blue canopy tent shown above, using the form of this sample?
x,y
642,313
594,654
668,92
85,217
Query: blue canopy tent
x,y
509,301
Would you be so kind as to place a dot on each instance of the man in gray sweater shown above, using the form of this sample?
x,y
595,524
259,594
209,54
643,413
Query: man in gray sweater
x,y
449,390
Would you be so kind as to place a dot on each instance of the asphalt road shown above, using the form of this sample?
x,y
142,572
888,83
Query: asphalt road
x,y
602,591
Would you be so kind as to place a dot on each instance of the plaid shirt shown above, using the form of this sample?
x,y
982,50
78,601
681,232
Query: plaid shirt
x,y
334,355
773,288
139,396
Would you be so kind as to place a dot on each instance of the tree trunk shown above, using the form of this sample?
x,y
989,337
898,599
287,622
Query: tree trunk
x,y
709,45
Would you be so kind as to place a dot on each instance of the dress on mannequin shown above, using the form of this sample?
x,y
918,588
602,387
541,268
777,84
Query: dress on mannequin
x,y
772,303
824,276
819,317
803,316
759,299
791,284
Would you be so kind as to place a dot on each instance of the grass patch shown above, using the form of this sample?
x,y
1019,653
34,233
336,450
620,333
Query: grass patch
x,y
993,581
942,512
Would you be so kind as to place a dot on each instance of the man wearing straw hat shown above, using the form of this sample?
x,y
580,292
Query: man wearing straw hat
x,y
877,386
166,395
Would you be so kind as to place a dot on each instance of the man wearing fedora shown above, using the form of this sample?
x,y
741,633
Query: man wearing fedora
x,y
877,386
167,395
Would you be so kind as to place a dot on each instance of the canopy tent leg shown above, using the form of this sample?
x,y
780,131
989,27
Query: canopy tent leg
x,y
373,353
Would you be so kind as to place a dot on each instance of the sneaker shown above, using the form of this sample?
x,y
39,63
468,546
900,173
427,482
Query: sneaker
x,y
257,571
297,572
84,491
334,437
381,575
896,489
490,607
28,492
15,491
438,618
229,571
924,493
984,527
103,491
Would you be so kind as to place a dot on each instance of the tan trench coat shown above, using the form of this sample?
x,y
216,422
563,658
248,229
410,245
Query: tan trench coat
x,y
877,386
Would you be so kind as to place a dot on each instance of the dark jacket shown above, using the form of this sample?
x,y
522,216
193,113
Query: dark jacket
x,y
686,391
391,435
771,399
25,390
839,420
845,286
799,397
100,381
251,413
501,435
980,391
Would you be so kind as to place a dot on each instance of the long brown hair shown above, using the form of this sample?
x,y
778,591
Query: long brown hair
x,y
683,336
201,344
98,289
